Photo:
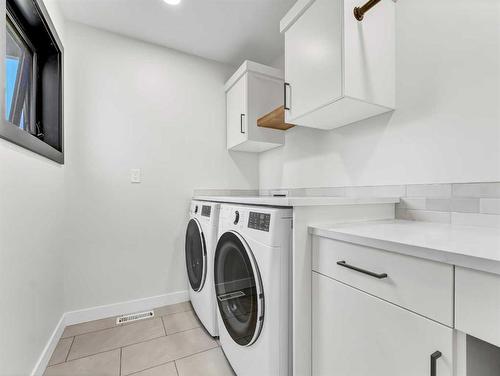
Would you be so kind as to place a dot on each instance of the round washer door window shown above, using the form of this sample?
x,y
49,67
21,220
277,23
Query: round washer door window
x,y
196,255
238,287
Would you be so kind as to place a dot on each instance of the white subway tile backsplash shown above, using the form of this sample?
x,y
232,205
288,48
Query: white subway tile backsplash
x,y
327,191
423,215
429,190
226,192
413,203
293,192
465,205
490,206
376,191
475,219
475,204
477,190
438,204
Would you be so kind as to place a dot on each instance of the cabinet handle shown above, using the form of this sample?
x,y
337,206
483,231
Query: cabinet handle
x,y
285,85
372,274
434,357
241,123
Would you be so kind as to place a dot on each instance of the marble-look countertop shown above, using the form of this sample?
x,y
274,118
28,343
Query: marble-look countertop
x,y
467,246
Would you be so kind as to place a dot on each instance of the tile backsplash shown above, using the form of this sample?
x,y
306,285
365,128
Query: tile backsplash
x,y
475,204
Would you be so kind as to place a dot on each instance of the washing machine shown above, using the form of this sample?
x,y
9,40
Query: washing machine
x,y
201,239
252,275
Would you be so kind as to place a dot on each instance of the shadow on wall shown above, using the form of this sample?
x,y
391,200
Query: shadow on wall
x,y
318,153
368,133
247,165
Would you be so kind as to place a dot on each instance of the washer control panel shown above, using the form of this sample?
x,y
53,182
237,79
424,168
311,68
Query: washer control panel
x,y
206,210
259,221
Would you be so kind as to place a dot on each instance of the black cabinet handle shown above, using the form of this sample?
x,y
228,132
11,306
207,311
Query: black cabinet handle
x,y
241,123
372,274
285,85
434,357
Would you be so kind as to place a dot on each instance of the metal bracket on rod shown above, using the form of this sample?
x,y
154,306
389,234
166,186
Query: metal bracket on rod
x,y
359,12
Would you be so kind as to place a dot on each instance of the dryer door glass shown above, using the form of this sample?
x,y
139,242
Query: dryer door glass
x,y
238,288
195,255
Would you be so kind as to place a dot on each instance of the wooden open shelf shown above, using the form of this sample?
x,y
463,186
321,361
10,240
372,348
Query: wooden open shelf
x,y
275,120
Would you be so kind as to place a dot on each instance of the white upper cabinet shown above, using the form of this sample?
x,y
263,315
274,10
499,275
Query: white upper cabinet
x,y
252,92
338,70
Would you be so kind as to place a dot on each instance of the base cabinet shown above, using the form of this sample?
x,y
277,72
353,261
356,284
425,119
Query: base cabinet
x,y
357,334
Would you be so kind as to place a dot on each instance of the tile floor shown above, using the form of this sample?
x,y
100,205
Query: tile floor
x,y
173,343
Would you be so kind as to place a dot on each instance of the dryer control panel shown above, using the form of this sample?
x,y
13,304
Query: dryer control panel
x,y
206,210
259,221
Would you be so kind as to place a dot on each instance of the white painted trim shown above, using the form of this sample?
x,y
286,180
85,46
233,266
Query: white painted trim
x,y
101,312
460,361
294,14
123,308
49,348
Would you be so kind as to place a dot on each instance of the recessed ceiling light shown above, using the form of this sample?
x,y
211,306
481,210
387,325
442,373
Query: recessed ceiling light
x,y
172,2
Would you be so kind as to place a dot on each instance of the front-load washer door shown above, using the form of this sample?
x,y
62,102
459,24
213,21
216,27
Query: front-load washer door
x,y
196,255
238,288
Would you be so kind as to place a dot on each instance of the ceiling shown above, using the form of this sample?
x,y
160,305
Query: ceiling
x,y
227,31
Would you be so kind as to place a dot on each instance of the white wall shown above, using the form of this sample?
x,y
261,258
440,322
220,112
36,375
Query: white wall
x,y
447,124
32,199
135,105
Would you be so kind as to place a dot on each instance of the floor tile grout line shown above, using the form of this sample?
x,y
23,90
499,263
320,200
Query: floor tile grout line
x,y
171,361
120,326
70,347
176,369
164,327
152,339
116,348
65,358
83,357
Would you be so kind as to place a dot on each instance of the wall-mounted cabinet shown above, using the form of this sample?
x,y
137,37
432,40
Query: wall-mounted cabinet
x,y
252,92
338,70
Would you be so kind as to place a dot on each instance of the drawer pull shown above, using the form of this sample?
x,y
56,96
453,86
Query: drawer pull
x,y
372,274
434,357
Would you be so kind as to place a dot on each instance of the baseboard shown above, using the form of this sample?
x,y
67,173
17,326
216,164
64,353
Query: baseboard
x,y
44,358
101,312
109,310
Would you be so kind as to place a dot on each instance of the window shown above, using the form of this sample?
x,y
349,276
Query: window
x,y
33,80
19,72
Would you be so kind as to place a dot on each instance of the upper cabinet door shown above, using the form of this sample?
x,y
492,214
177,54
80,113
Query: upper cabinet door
x,y
253,91
236,101
339,70
313,59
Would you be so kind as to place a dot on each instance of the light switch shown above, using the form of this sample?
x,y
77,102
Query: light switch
x,y
135,175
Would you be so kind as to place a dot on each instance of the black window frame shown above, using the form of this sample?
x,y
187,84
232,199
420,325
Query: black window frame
x,y
30,20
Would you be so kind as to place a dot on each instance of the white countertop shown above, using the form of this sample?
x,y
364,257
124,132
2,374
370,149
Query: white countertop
x,y
467,246
298,201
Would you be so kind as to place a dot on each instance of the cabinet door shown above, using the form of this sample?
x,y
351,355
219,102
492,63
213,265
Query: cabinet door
x,y
356,334
313,58
236,102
